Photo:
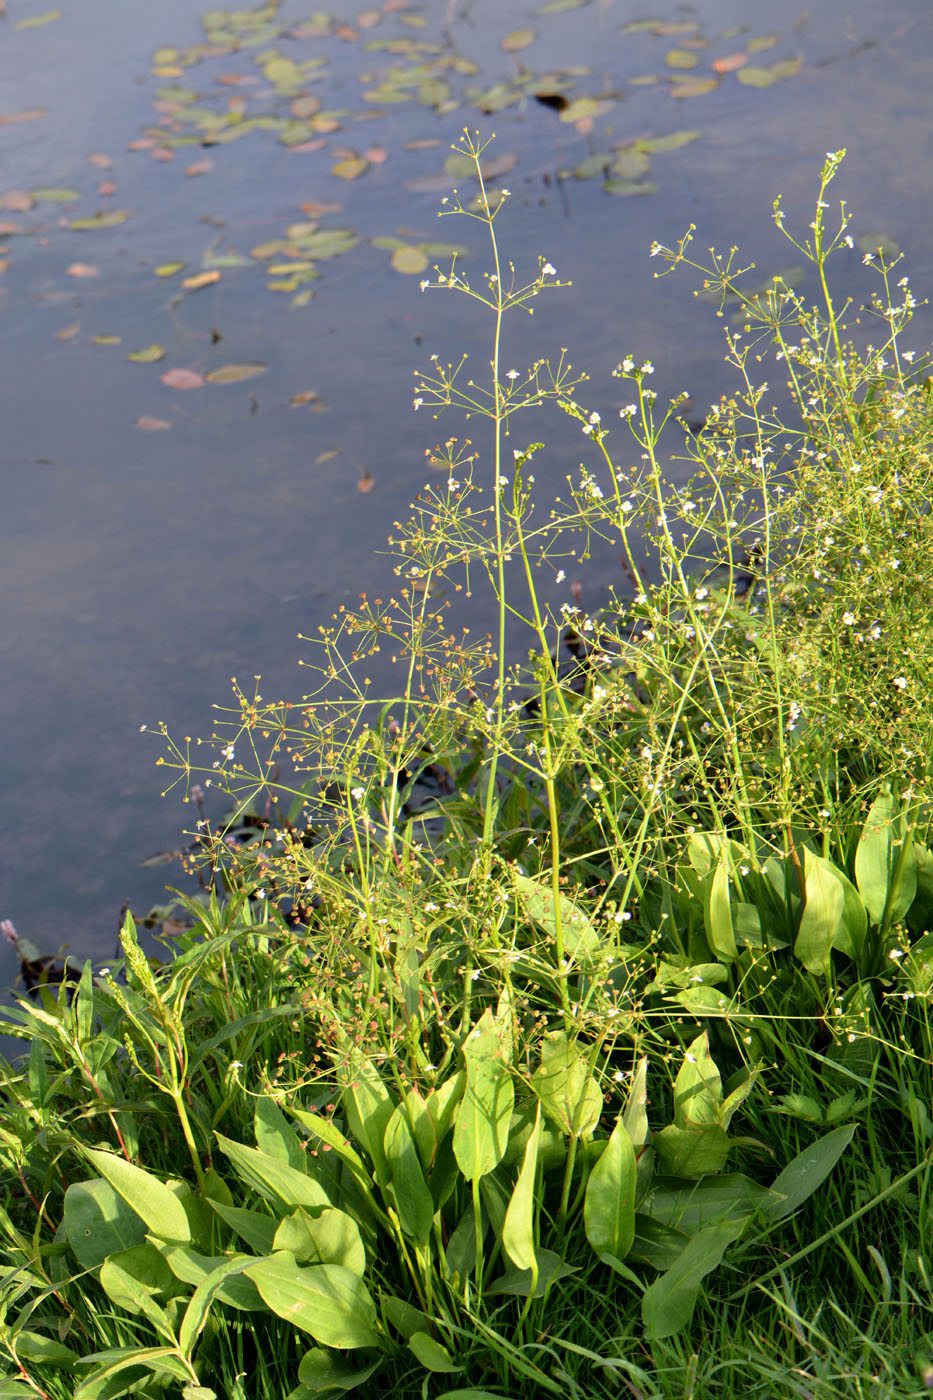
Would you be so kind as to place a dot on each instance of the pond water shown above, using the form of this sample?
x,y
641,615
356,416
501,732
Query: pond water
x,y
158,539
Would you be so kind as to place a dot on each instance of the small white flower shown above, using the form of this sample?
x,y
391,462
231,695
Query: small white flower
x,y
894,563
896,953
900,682
511,374
848,619
548,271
594,418
425,284
260,894
559,576
628,505
503,481
452,485
628,364
356,793
416,404
628,411
647,367
701,593
228,753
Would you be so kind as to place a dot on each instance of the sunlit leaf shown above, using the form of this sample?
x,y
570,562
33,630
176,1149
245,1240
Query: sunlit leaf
x,y
583,107
764,77
409,260
554,7
169,269
34,21
55,194
729,63
518,39
199,280
82,270
681,58
182,379
234,374
105,218
695,87
152,425
106,339
352,168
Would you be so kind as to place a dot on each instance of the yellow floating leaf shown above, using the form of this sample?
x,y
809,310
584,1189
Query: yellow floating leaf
x,y
201,279
681,58
696,87
169,269
518,39
352,168
409,260
107,339
35,20
233,374
149,356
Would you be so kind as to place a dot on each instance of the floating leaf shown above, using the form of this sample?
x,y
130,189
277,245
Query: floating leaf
x,y
584,107
681,58
106,339
34,21
55,194
500,165
68,332
764,77
729,63
169,269
409,260
234,374
518,39
200,167
365,483
878,243
8,228
105,218
152,425
695,87
630,187
306,396
83,270
201,279
148,356
352,168
767,41
182,379
20,201
672,142
554,7
630,164
30,115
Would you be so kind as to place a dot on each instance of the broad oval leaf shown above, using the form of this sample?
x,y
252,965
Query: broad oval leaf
x,y
151,1199
821,918
325,1300
886,874
98,1222
481,1132
333,1237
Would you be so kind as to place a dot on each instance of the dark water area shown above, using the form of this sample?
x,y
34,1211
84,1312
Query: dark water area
x,y
142,567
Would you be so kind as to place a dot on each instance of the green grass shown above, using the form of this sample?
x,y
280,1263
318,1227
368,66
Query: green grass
x,y
548,1029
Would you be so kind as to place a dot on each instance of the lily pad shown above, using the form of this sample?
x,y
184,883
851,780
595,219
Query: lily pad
x,y
753,76
352,168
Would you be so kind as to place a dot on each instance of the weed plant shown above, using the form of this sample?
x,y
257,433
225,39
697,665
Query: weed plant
x,y
559,1024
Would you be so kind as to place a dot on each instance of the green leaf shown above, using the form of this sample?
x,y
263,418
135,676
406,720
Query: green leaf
x,y
274,1180
106,218
698,1086
568,1093
325,1300
198,1309
409,260
518,1232
322,1370
109,1379
431,1354
719,912
413,1200
149,356
681,59
98,1222
481,1132
581,941
667,1305
693,1151
194,1268
708,1201
609,1203
822,916
518,39
34,1346
368,1107
809,1169
274,1134
145,1194
333,1237
520,1283
129,1293
256,1229
403,1317
635,1116
881,885
55,194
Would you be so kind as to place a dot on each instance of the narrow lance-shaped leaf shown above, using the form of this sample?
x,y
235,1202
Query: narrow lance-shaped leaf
x,y
821,917
609,1203
518,1230
881,884
667,1305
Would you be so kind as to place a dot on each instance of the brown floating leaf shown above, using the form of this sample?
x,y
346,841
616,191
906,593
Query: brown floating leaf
x,y
376,155
152,425
327,456
729,63
104,162
518,39
200,279
107,187
164,153
142,143
423,144
8,228
305,396
305,107
182,379
314,208
20,201
365,483
14,118
233,374
149,356
368,19
68,332
82,270
200,167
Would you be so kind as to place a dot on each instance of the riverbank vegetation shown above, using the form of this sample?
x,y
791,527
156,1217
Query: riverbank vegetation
x,y
558,1023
